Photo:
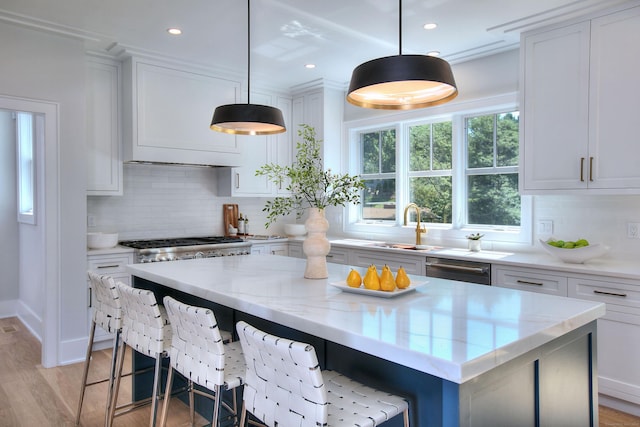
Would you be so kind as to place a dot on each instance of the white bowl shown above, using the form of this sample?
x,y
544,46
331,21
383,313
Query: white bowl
x,y
575,255
295,230
102,240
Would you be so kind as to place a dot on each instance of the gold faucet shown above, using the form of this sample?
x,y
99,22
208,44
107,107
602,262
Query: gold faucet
x,y
419,228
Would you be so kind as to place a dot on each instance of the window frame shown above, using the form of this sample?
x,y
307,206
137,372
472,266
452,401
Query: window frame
x,y
458,229
26,136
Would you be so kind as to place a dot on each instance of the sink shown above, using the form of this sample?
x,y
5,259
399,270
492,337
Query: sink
x,y
405,246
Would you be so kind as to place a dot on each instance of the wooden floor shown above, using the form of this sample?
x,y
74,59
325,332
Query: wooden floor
x,y
31,395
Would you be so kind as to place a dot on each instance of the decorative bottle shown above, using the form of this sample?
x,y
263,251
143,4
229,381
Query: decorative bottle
x,y
241,225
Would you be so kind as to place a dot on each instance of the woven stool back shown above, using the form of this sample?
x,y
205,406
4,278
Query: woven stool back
x,y
143,326
284,384
197,349
107,309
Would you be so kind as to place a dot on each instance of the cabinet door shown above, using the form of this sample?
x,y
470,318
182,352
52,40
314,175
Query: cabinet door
x,y
284,151
615,61
555,99
338,256
618,332
411,264
104,153
295,250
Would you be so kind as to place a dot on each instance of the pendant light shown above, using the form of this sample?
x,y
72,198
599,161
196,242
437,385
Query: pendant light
x,y
402,82
248,119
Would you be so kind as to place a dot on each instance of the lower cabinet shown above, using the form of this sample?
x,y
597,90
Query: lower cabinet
x,y
295,249
618,331
270,249
114,265
412,264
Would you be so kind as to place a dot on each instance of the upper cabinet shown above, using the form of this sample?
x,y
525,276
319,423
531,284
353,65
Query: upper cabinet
x,y
167,111
104,148
579,98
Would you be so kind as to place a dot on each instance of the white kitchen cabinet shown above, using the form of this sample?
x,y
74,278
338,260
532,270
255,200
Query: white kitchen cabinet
x,y
529,279
241,181
167,111
270,249
104,148
578,97
114,265
338,256
618,334
413,264
295,249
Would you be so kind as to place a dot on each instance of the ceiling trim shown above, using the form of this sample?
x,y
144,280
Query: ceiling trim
x,y
48,26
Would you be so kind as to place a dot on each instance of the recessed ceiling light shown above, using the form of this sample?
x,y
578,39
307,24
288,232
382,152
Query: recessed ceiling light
x,y
430,26
310,66
433,53
174,31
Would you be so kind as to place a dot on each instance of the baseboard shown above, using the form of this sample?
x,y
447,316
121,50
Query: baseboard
x,y
8,308
618,404
30,319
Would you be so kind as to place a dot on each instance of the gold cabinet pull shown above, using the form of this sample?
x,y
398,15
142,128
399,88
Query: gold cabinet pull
x,y
581,169
591,169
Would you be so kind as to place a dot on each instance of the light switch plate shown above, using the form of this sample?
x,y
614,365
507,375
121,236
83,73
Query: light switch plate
x,y
545,226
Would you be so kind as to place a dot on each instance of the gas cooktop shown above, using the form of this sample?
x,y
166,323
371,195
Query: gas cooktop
x,y
180,241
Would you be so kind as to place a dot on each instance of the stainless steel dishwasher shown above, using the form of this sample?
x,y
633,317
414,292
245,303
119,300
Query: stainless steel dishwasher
x,y
464,271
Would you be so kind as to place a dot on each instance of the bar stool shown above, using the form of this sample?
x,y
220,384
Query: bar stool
x,y
198,353
146,329
284,386
107,313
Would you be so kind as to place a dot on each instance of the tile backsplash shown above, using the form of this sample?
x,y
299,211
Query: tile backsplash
x,y
174,201
171,201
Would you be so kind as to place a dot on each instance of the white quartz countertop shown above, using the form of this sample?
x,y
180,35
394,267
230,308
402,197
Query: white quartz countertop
x,y
449,329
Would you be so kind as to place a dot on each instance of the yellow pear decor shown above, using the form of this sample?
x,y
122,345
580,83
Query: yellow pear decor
x,y
387,282
371,279
379,281
354,279
402,280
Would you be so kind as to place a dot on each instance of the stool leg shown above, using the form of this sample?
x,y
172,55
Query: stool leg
x,y
116,386
167,398
112,375
155,394
192,403
85,374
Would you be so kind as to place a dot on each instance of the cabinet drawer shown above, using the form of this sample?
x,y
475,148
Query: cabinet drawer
x,y
622,299
338,256
411,264
109,264
531,280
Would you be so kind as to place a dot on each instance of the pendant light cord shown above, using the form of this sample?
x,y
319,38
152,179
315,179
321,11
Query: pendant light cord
x,y
400,27
249,51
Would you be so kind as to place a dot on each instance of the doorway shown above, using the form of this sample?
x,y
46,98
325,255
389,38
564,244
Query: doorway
x,y
39,247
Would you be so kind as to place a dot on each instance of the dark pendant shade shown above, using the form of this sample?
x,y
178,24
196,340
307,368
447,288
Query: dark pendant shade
x,y
248,119
402,82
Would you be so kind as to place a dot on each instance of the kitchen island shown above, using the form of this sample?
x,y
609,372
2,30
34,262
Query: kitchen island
x,y
463,354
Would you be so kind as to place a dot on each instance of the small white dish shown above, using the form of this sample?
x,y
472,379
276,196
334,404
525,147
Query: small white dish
x,y
102,240
342,285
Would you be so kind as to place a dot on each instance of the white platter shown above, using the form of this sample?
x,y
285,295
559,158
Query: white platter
x,y
342,285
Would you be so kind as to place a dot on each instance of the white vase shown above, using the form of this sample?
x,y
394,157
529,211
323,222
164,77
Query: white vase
x,y
475,245
316,246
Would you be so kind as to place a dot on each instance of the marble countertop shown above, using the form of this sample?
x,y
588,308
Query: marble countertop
x,y
449,329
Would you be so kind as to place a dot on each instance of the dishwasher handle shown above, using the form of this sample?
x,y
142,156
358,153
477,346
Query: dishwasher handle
x,y
462,268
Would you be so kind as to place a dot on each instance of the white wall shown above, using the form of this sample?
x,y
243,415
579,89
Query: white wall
x,y
171,201
8,208
44,66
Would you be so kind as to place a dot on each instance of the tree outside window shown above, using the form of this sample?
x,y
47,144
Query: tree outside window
x,y
378,155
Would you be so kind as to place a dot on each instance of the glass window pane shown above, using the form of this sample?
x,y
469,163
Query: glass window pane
x,y
442,142
494,200
388,151
433,195
507,139
370,152
379,199
480,142
420,148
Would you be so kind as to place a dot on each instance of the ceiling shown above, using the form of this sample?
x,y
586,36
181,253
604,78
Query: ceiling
x,y
335,35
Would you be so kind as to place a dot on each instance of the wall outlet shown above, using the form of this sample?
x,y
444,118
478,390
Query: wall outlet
x,y
633,230
545,226
91,221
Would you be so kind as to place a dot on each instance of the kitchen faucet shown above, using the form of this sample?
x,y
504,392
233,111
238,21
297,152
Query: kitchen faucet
x,y
419,229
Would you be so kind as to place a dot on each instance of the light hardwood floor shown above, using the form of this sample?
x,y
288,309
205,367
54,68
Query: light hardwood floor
x,y
31,395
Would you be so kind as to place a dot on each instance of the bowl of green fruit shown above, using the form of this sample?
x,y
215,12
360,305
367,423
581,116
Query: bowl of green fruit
x,y
573,251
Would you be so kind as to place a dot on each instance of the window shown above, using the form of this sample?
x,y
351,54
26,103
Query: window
x,y
460,169
25,137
